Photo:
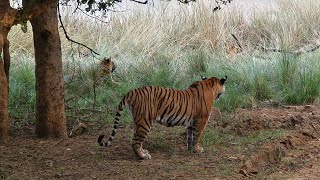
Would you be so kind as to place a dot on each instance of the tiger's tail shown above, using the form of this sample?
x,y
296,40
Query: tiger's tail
x,y
122,104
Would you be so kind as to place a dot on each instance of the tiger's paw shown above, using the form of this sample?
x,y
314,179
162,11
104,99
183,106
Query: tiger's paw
x,y
198,149
147,156
144,154
144,151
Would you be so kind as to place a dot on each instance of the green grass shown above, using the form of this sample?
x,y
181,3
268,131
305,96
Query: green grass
x,y
22,90
305,90
249,81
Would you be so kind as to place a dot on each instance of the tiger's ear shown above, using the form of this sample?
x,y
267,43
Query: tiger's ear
x,y
107,59
203,77
222,80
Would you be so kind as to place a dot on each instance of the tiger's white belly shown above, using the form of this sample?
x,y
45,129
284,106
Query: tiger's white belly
x,y
170,122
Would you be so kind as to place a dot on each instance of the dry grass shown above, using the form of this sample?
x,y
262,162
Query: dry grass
x,y
174,27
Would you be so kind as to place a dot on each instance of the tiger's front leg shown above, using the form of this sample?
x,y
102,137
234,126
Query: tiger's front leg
x,y
190,139
198,131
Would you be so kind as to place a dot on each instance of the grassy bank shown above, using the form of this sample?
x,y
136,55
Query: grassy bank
x,y
173,49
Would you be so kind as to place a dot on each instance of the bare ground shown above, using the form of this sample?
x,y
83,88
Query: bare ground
x,y
266,142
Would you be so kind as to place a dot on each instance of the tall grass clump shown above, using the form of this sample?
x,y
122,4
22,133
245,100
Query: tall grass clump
x,y
287,69
303,86
251,80
22,88
233,99
198,62
162,72
305,90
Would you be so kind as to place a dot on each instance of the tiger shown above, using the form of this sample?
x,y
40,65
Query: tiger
x,y
107,68
170,107
232,52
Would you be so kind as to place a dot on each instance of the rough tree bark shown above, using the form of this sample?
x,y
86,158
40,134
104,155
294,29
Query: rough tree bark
x,y
4,115
4,74
50,112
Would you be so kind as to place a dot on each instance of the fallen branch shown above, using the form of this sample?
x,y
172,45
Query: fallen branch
x,y
300,51
273,49
295,53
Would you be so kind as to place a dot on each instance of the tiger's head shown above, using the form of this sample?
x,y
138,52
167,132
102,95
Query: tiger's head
x,y
107,66
220,88
213,84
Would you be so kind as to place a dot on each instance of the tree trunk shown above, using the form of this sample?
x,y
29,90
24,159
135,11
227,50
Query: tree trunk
x,y
50,112
4,115
4,76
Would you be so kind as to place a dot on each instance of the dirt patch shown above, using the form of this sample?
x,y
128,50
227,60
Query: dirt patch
x,y
302,124
272,153
242,145
302,118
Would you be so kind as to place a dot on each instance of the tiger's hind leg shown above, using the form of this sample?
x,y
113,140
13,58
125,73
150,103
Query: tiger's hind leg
x,y
139,136
137,147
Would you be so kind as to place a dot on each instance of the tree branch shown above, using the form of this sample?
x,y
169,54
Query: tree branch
x,y
218,6
71,40
224,2
77,8
140,2
237,41
186,1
